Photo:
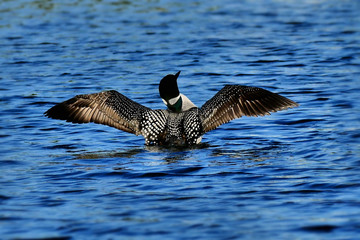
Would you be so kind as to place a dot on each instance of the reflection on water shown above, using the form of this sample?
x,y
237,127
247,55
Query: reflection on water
x,y
103,154
175,154
291,175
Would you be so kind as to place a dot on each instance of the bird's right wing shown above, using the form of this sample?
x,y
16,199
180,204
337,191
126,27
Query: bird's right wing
x,y
109,108
235,101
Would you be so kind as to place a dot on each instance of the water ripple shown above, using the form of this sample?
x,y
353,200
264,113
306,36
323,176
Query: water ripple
x,y
291,175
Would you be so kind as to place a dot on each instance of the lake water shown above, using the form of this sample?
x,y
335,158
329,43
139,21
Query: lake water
x,y
292,175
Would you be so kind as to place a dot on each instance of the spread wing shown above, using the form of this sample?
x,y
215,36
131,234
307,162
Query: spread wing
x,y
109,108
235,101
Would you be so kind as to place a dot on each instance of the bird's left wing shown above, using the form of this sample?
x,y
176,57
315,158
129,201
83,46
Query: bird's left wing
x,y
235,101
109,108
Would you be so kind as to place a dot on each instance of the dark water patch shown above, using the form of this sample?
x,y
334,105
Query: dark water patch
x,y
71,229
11,38
28,126
49,43
268,61
348,32
111,230
71,74
187,52
5,162
344,104
10,218
50,129
300,24
244,74
50,202
74,191
210,74
149,175
180,199
347,185
301,192
39,103
119,172
20,62
309,91
322,99
33,63
186,170
50,237
356,135
319,186
319,228
3,198
63,146
298,122
293,65
104,174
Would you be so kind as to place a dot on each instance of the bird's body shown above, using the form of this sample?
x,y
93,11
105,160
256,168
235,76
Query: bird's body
x,y
182,123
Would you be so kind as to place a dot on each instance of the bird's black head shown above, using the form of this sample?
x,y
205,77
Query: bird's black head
x,y
168,87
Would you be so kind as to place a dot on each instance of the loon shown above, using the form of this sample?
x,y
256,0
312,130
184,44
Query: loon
x,y
182,123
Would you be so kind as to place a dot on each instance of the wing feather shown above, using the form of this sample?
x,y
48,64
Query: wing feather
x,y
235,101
109,108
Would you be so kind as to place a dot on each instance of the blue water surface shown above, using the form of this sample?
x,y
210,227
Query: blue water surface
x,y
292,175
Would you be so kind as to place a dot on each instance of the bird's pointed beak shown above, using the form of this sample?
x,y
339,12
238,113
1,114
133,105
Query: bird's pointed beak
x,y
177,74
